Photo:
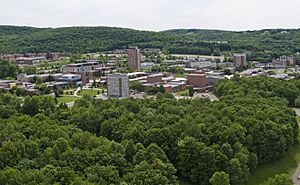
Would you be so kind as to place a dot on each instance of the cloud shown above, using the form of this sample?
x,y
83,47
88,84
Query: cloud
x,y
153,14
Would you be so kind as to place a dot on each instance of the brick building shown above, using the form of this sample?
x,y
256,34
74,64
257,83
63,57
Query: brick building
x,y
239,60
156,78
196,80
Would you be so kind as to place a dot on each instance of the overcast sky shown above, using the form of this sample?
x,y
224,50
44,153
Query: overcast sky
x,y
153,14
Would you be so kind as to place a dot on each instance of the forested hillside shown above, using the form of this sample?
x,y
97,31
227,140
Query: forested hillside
x,y
260,45
148,141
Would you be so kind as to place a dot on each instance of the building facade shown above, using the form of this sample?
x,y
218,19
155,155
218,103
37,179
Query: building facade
x,y
29,60
239,60
199,64
81,67
118,86
196,80
134,58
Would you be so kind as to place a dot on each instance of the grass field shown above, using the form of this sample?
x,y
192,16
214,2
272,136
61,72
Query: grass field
x,y
67,99
89,92
183,93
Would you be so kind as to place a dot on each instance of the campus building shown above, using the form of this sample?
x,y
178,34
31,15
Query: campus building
x,y
239,60
81,67
118,85
134,58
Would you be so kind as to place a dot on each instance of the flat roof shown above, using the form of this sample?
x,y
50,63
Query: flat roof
x,y
70,75
136,73
155,75
197,75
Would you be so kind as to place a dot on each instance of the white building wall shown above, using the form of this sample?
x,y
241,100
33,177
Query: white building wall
x,y
118,85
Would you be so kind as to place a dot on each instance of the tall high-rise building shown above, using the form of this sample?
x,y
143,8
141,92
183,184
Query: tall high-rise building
x,y
239,60
134,58
118,85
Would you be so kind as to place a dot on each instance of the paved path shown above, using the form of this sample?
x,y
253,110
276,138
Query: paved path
x,y
296,181
76,92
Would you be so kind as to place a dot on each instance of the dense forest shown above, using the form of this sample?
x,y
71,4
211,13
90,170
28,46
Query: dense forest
x,y
147,142
263,45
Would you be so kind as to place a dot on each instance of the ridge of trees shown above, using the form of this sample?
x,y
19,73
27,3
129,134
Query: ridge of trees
x,y
262,45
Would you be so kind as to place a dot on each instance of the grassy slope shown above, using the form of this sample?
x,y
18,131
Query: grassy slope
x,y
288,165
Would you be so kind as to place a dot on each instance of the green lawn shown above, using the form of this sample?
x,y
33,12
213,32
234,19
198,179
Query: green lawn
x,y
183,93
179,75
89,92
67,99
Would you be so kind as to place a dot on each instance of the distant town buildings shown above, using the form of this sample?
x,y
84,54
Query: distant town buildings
x,y
28,57
118,85
81,67
134,58
284,61
87,70
239,60
29,60
200,64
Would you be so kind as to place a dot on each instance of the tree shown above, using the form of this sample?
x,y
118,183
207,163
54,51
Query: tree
x,y
219,178
8,70
136,86
31,105
280,179
161,89
297,102
227,72
191,91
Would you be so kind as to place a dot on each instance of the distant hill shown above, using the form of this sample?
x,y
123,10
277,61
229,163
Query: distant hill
x,y
262,44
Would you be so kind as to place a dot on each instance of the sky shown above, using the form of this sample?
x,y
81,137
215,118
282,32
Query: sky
x,y
155,15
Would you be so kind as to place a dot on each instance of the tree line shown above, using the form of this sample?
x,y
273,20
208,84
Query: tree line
x,y
262,45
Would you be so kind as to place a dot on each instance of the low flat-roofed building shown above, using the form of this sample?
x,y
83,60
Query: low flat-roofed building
x,y
196,64
174,87
196,80
189,70
142,79
215,73
57,84
155,78
82,67
73,79
44,77
29,60
136,74
148,65
9,83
